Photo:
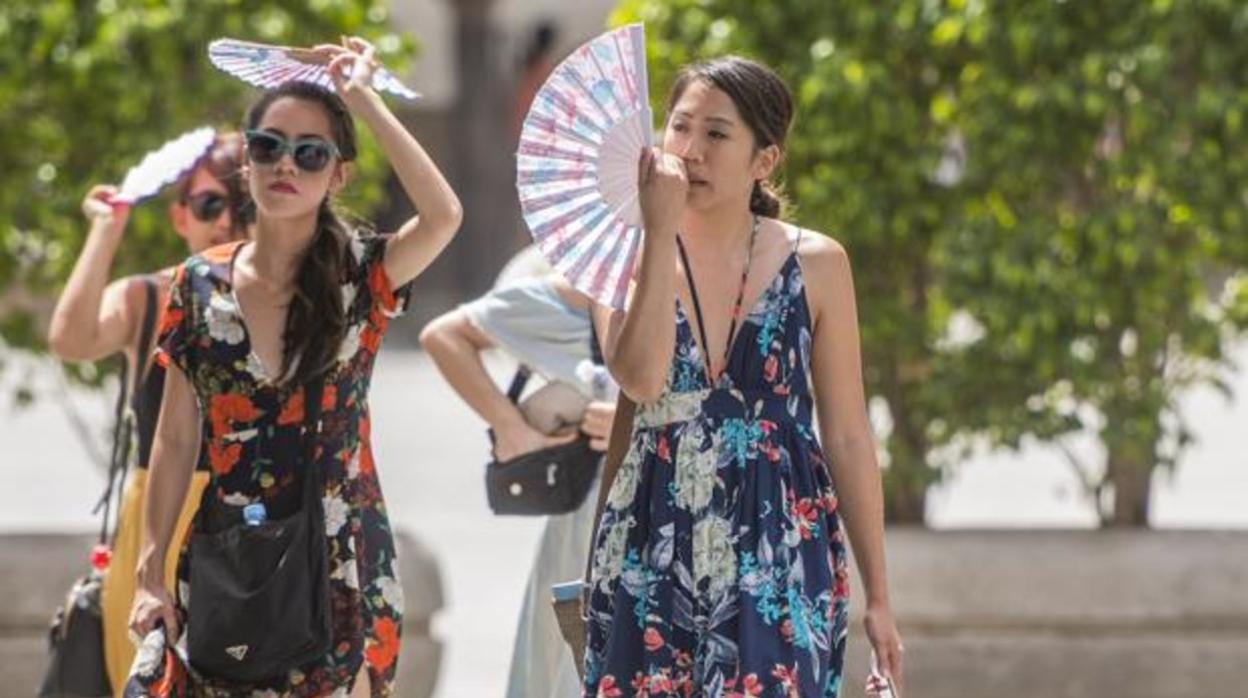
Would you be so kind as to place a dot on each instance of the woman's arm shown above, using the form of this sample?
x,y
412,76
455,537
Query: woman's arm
x,y
93,318
418,241
836,367
638,343
174,452
455,345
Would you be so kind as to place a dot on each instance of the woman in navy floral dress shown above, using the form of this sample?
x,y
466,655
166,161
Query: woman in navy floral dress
x,y
248,326
720,559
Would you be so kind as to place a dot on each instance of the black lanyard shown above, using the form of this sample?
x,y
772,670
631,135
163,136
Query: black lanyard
x,y
736,309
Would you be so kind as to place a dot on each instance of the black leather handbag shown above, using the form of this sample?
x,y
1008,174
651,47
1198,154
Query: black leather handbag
x,y
552,480
259,593
76,663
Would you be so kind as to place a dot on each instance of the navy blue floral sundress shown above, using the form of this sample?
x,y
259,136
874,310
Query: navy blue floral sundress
x,y
719,564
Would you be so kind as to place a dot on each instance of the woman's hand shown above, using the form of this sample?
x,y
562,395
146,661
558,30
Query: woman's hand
x,y
663,184
152,605
596,424
885,640
351,67
521,438
98,207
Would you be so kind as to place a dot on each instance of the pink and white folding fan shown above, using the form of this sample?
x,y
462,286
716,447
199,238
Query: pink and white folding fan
x,y
164,165
265,66
576,167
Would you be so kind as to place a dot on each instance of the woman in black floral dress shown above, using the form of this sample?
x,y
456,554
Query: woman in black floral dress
x,y
247,326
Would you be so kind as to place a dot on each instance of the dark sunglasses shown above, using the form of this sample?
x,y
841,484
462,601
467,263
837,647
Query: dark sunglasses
x,y
206,206
309,154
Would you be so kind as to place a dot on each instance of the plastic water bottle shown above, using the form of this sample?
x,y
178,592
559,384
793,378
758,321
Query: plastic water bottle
x,y
602,387
255,514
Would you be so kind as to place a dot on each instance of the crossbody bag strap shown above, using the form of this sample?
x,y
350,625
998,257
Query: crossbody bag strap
x,y
117,459
146,334
518,381
123,428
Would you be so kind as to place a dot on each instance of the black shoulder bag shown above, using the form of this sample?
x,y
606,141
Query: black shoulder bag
x,y
552,480
259,593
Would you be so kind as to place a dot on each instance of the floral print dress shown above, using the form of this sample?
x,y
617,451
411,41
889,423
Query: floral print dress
x,y
719,566
251,442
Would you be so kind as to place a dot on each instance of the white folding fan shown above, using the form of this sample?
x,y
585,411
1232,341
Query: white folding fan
x,y
164,165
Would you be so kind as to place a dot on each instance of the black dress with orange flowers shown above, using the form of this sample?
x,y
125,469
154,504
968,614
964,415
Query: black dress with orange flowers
x,y
251,441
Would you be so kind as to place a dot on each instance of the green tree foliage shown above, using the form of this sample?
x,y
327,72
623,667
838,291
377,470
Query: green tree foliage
x,y
1044,202
86,88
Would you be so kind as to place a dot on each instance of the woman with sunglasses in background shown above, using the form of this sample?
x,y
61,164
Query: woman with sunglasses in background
x,y
95,319
251,329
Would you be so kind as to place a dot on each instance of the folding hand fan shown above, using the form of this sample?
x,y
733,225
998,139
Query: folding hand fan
x,y
577,163
164,165
265,65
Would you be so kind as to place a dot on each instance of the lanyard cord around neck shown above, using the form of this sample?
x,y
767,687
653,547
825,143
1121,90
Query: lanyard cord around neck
x,y
736,308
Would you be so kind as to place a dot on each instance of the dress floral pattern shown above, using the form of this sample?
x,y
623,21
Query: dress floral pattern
x,y
719,566
251,441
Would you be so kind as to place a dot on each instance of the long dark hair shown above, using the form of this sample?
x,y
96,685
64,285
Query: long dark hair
x,y
316,320
764,101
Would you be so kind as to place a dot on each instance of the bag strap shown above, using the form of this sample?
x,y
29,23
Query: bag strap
x,y
118,458
595,350
518,381
146,333
123,427
618,444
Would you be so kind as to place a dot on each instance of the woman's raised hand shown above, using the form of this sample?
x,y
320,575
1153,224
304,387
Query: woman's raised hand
x,y
663,184
99,208
351,65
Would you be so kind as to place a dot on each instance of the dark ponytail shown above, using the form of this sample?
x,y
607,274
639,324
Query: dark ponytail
x,y
766,201
764,102
316,320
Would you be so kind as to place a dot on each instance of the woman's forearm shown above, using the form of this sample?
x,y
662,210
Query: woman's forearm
x,y
419,241
174,452
429,191
74,333
168,481
862,509
459,361
644,339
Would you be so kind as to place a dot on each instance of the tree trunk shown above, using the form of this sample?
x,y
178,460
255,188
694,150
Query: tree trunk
x,y
1131,435
484,168
1130,478
908,475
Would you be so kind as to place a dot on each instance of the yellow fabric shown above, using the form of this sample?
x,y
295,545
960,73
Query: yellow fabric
x,y
117,592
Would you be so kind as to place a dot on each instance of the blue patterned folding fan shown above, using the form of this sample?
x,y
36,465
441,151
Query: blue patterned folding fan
x,y
265,66
577,163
